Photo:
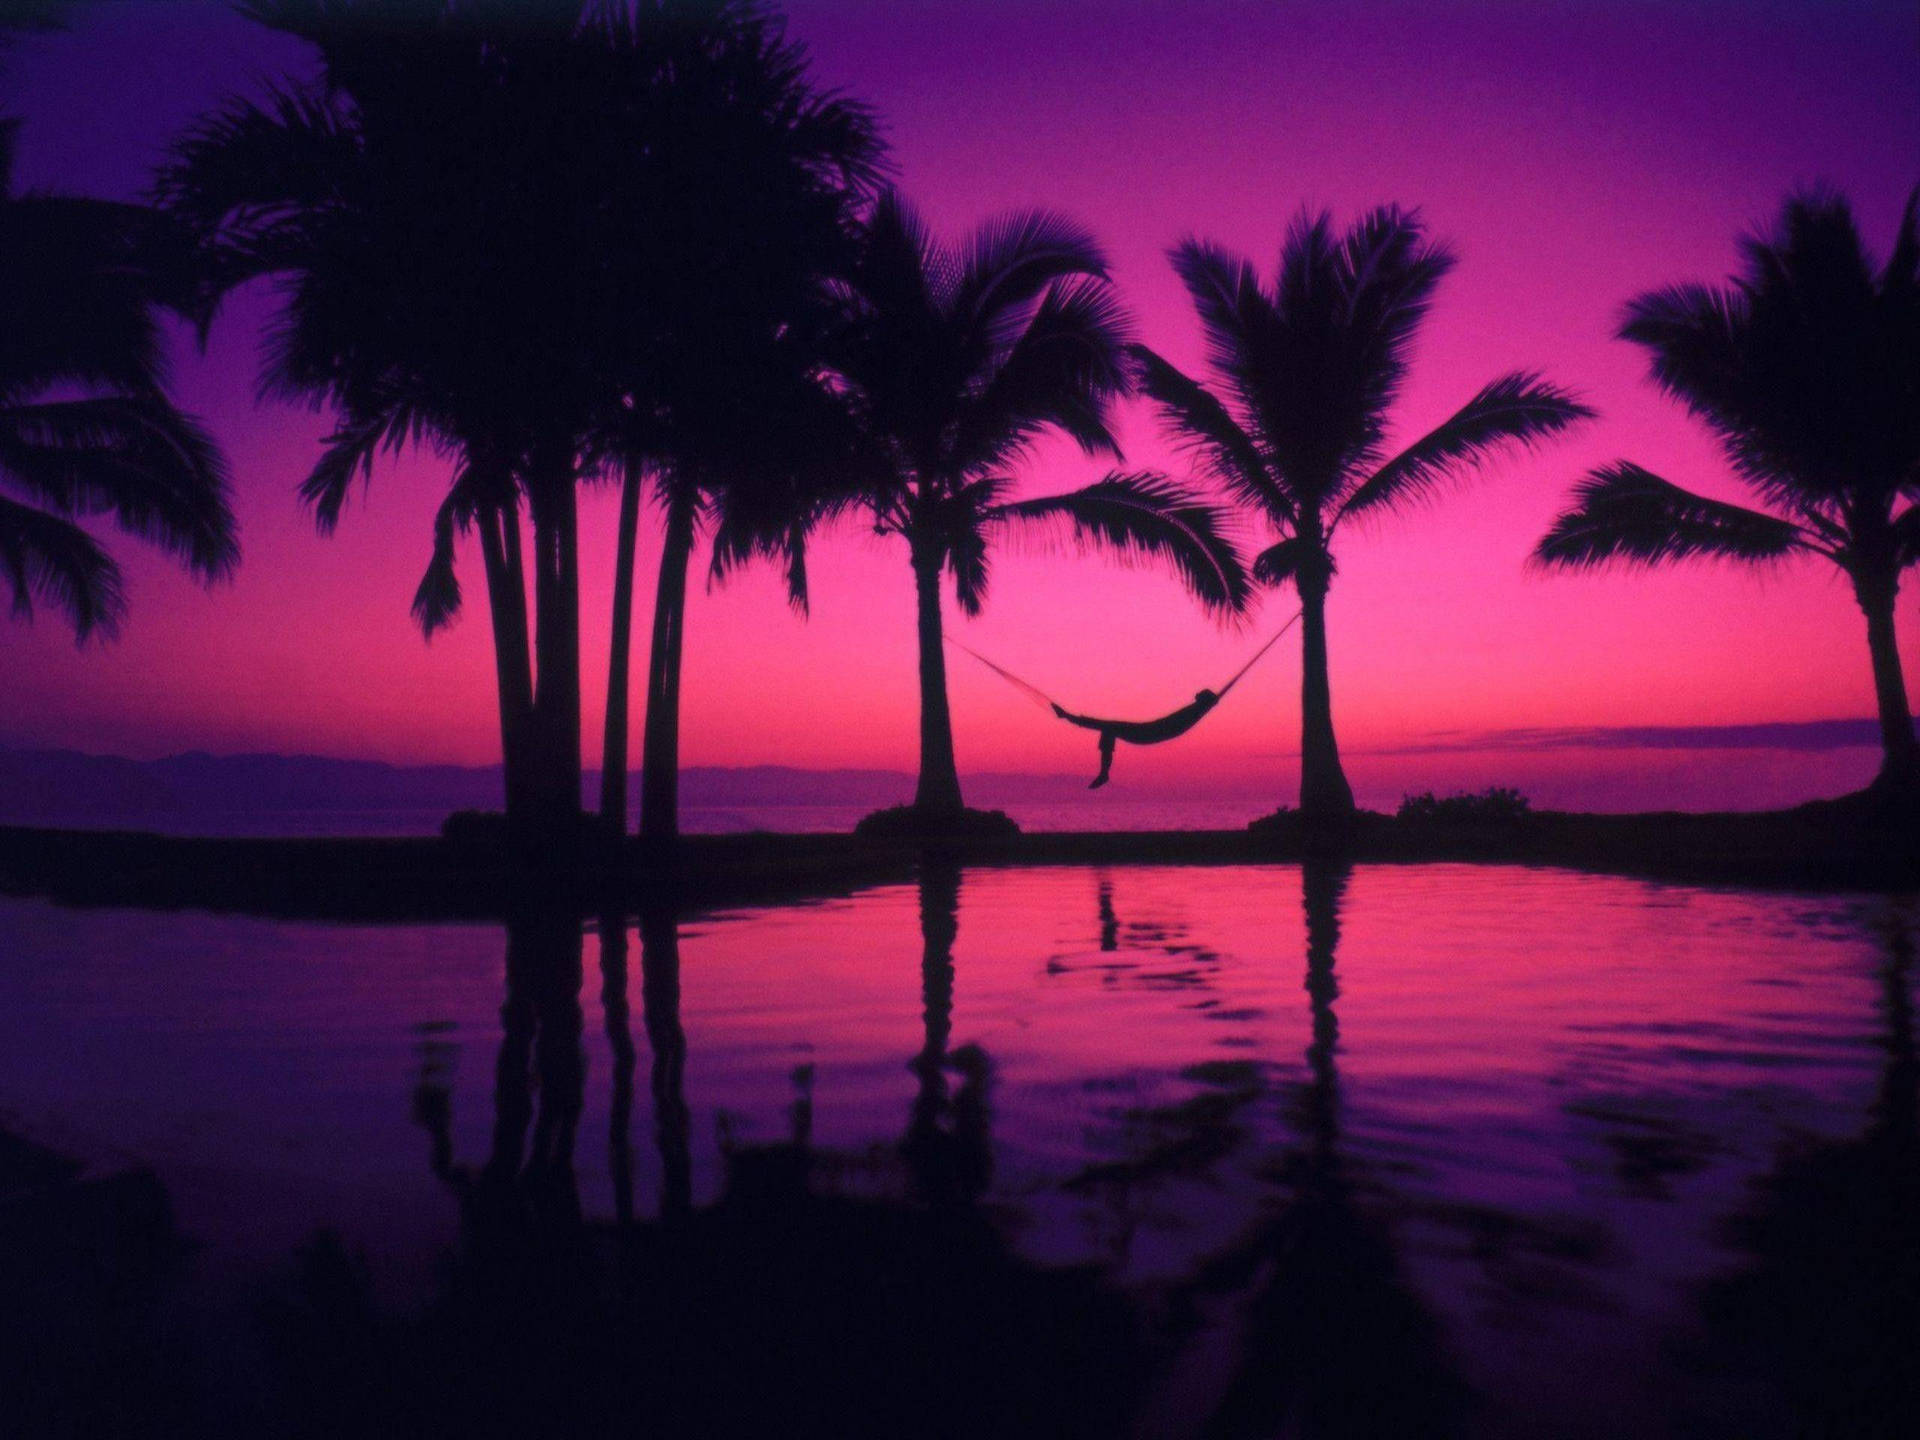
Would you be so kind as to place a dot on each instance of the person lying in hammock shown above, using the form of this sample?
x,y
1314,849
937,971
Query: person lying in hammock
x,y
1138,732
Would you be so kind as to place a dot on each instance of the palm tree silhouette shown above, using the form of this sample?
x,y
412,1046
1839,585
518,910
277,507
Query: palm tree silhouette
x,y
365,194
466,207
1804,368
756,459
763,171
1294,425
955,360
86,427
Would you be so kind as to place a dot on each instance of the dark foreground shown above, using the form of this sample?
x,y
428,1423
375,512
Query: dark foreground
x,y
1816,847
1315,1150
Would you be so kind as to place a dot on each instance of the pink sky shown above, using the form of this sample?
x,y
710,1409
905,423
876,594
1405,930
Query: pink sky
x,y
1573,154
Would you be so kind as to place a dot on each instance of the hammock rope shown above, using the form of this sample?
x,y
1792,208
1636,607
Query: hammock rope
x,y
1046,702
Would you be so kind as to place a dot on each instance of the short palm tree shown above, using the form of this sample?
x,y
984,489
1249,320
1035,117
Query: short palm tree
x,y
1806,366
86,427
1294,424
954,361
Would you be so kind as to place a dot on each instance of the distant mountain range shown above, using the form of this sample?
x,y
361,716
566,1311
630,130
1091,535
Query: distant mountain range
x,y
61,786
198,792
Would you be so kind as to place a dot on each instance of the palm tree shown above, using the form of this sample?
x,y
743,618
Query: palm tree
x,y
1294,425
1806,366
758,464
86,427
726,407
466,209
363,194
954,361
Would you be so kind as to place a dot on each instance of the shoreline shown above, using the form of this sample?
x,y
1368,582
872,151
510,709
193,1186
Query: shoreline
x,y
1817,848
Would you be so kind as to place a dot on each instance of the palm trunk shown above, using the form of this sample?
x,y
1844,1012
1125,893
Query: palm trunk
x,y
513,667
660,745
613,750
1900,757
667,1039
1324,791
1323,885
938,791
617,1011
929,1154
557,644
512,1071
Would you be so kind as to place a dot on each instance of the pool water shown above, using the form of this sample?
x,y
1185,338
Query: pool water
x,y
1140,1150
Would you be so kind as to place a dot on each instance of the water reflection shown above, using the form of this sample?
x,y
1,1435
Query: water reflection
x,y
947,1147
667,1039
1824,1313
618,1017
527,1184
1317,1153
1316,1329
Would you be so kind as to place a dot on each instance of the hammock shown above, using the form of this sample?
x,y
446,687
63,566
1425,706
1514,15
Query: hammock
x,y
1047,702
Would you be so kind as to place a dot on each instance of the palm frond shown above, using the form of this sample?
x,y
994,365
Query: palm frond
x,y
1626,514
1386,275
956,523
1802,365
437,601
1059,373
1695,335
51,560
741,536
155,470
1520,409
1009,262
347,454
1902,270
78,294
968,563
1389,270
1143,516
1282,562
1906,534
250,181
900,260
1202,424
1226,294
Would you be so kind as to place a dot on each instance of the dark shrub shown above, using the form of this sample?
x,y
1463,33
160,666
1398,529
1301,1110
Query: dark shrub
x,y
904,822
475,829
1496,805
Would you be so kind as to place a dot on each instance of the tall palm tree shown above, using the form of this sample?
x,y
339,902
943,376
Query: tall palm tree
x,y
1294,423
765,172
955,359
466,208
1806,367
764,464
365,195
86,427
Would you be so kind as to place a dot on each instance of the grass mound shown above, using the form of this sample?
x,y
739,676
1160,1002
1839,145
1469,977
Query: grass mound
x,y
907,822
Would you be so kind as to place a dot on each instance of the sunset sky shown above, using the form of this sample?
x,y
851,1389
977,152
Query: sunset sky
x,y
1574,154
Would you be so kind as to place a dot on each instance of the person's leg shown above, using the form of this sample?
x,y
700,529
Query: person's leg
x,y
1106,759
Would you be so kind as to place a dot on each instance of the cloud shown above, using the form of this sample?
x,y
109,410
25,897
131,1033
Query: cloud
x,y
1800,736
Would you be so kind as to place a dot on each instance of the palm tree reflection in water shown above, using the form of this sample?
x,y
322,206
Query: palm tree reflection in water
x,y
660,1005
617,1015
1326,1336
1822,1315
947,1148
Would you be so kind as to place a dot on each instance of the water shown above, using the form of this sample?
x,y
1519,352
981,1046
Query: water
x,y
1161,1151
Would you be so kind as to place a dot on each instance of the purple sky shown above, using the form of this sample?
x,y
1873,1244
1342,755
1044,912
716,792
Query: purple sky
x,y
1574,155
